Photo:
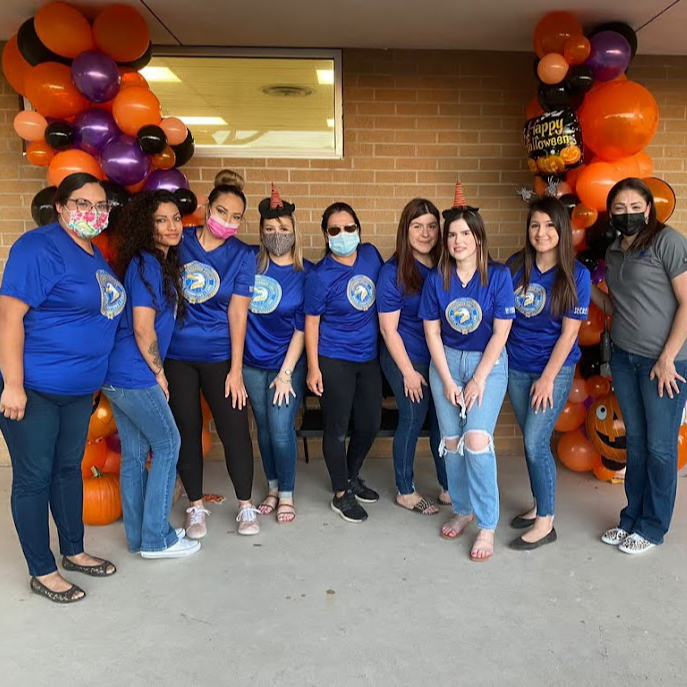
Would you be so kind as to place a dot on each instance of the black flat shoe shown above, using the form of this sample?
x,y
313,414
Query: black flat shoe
x,y
72,595
520,523
520,544
99,570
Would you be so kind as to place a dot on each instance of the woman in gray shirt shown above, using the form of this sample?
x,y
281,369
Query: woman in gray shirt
x,y
646,273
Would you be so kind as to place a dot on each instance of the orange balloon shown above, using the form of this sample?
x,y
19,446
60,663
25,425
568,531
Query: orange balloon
x,y
136,188
583,217
102,422
130,77
595,182
646,164
552,68
51,91
576,452
598,386
682,447
590,330
207,413
576,49
121,32
164,160
94,455
553,30
540,186
572,416
619,119
174,129
627,166
664,198
578,391
573,175
39,153
70,162
134,108
104,245
30,125
533,109
206,442
113,462
563,189
14,66
578,237
602,286
63,29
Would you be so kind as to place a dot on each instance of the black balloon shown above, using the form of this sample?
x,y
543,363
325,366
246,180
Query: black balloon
x,y
184,151
579,80
600,236
623,29
570,200
32,49
535,67
588,259
43,206
118,197
142,61
59,135
590,362
152,139
186,201
553,142
556,96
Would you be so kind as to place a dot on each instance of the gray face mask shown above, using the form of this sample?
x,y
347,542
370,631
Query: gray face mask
x,y
278,243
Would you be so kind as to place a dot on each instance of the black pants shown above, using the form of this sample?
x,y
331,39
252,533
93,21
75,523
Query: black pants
x,y
186,381
351,390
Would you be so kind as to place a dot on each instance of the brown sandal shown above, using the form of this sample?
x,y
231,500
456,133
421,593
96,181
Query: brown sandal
x,y
421,507
285,509
266,507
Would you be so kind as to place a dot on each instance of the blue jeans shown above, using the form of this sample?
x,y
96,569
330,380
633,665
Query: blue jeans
x,y
411,419
537,429
46,449
276,425
145,423
471,474
652,425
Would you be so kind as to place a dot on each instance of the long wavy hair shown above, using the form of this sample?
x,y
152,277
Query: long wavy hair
x,y
134,233
564,291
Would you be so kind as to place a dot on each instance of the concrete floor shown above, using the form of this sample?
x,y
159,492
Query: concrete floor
x,y
387,602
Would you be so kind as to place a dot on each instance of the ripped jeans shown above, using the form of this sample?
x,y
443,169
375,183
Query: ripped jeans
x,y
471,471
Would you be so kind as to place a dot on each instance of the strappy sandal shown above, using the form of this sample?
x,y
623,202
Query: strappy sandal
x,y
68,597
285,509
267,508
100,570
481,545
421,507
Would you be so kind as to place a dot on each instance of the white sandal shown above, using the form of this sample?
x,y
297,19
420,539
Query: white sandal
x,y
615,536
635,544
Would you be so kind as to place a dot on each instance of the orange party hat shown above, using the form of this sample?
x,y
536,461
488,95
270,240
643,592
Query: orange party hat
x,y
275,199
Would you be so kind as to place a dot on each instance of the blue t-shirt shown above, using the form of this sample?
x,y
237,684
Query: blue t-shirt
x,y
345,299
391,297
75,302
535,331
276,311
127,367
467,313
210,280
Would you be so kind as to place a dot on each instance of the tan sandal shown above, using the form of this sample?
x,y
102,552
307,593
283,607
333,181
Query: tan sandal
x,y
286,513
480,546
450,525
266,507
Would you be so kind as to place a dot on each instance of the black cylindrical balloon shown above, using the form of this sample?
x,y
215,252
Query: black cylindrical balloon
x,y
579,80
570,200
152,139
118,197
142,61
43,206
623,29
184,151
32,49
186,201
600,236
588,259
59,135
553,97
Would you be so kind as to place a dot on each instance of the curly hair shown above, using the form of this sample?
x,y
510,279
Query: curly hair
x,y
134,233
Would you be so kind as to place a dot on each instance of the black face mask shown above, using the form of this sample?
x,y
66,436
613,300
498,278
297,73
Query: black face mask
x,y
629,224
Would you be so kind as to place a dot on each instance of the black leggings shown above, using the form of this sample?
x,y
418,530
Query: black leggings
x,y
186,381
351,390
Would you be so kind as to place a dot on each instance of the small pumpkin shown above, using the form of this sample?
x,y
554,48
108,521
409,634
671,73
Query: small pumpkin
x,y
606,431
102,503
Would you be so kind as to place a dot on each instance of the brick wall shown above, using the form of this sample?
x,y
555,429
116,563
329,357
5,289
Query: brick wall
x,y
414,121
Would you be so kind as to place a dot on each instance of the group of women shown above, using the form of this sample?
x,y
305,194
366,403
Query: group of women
x,y
191,311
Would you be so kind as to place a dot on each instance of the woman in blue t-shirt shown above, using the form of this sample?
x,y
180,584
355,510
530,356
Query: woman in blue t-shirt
x,y
467,305
551,301
59,308
341,334
206,354
404,356
273,363
146,239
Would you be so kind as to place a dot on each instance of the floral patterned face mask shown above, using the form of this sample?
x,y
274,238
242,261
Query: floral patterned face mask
x,y
87,225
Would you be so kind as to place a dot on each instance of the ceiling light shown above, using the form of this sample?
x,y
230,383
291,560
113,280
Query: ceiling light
x,y
325,76
199,121
330,123
159,74
287,91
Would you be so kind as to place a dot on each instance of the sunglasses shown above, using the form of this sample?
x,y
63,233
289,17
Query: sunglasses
x,y
349,228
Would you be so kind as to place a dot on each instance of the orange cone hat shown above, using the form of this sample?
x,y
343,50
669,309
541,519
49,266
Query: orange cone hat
x,y
275,199
274,206
459,204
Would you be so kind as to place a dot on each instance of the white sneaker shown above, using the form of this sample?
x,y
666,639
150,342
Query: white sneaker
x,y
195,522
182,547
248,520
635,544
181,532
614,536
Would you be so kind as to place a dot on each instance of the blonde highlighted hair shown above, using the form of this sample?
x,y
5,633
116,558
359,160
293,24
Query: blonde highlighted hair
x,y
263,259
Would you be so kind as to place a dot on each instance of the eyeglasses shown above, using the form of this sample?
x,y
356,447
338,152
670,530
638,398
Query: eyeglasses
x,y
349,228
83,205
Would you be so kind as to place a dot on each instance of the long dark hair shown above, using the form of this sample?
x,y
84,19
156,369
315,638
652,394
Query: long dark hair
x,y
564,291
134,233
646,235
339,206
409,277
447,263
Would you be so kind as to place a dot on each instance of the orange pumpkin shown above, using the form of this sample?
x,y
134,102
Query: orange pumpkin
x,y
606,431
113,462
206,441
94,455
102,503
601,472
102,421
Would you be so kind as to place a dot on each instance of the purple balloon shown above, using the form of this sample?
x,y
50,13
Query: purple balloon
x,y
124,162
168,179
93,129
96,76
588,403
610,55
114,443
599,273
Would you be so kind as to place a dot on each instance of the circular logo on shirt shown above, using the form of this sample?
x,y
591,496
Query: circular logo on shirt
x,y
201,282
361,292
531,302
464,315
266,295
112,295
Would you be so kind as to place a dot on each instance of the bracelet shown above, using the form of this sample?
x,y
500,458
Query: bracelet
x,y
481,385
282,381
